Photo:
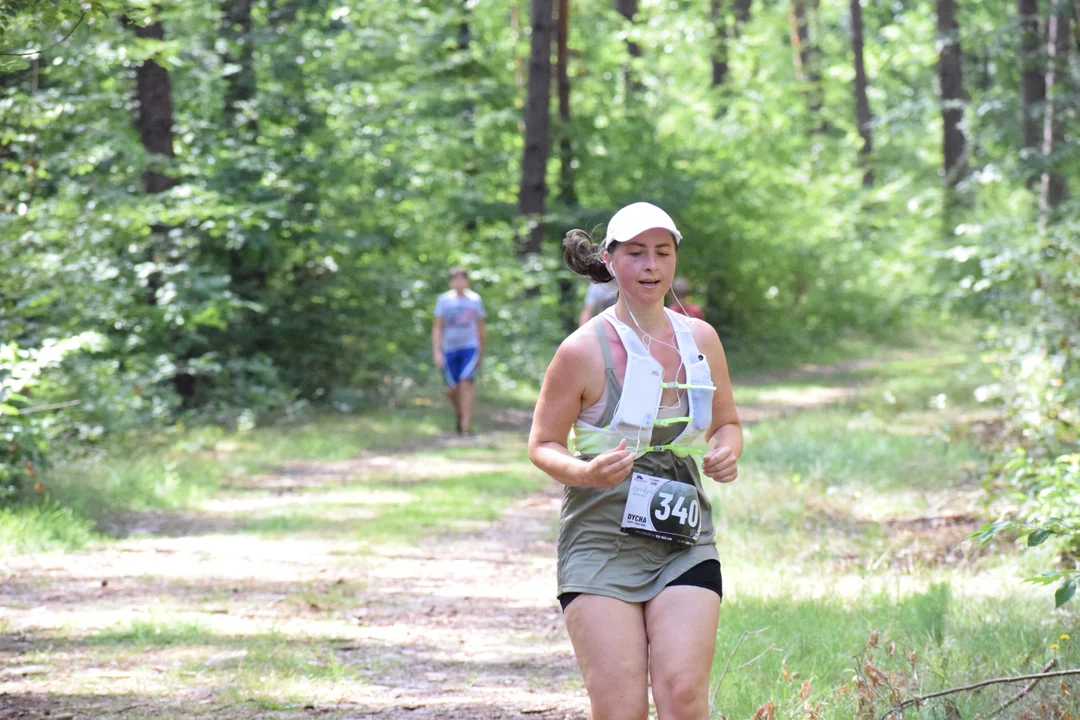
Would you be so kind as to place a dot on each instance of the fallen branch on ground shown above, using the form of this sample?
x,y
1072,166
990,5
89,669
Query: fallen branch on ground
x,y
1027,689
919,699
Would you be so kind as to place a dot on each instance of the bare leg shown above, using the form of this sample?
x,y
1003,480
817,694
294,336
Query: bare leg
x,y
455,399
610,646
681,623
466,398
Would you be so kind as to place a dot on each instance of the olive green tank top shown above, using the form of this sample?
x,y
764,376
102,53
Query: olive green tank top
x,y
594,555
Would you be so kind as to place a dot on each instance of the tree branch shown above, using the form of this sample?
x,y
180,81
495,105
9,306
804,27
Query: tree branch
x,y
61,41
54,406
981,684
1027,689
712,703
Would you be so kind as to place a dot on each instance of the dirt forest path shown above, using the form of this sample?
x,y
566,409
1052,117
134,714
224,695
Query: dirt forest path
x,y
461,625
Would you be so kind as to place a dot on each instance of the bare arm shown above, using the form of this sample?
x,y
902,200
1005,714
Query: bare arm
x,y
481,334
725,436
558,406
436,342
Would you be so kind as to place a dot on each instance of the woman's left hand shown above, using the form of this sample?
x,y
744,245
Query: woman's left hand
x,y
721,465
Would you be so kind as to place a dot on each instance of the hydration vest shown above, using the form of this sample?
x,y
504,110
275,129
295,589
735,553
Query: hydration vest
x,y
642,386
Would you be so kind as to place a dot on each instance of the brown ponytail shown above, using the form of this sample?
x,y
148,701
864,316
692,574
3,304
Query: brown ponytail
x,y
585,257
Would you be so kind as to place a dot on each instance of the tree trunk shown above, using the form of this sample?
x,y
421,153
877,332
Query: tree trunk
x,y
1032,83
862,103
742,13
628,9
805,57
720,49
468,115
951,77
154,111
154,122
567,193
240,85
533,191
1057,69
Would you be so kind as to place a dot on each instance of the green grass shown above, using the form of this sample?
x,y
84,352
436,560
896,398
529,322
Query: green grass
x,y
41,527
265,670
436,505
955,641
841,448
180,469
150,633
806,554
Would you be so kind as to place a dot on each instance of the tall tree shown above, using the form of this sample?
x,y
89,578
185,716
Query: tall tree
x,y
951,77
532,194
468,113
628,9
1032,81
742,13
805,55
718,16
1057,68
862,103
567,193
239,53
154,122
154,112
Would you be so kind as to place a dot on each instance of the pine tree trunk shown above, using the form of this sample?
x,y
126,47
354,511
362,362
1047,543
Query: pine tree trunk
x,y
532,194
567,193
468,121
154,123
742,12
951,77
720,49
154,111
862,103
628,9
805,54
1033,80
239,85
1057,67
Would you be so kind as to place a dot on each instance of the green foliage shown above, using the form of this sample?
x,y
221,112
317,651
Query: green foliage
x,y
331,164
42,527
25,431
1046,494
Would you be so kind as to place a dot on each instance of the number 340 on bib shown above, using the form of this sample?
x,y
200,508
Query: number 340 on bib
x,y
663,509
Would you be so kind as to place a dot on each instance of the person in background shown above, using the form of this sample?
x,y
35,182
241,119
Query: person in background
x,y
680,290
599,297
457,341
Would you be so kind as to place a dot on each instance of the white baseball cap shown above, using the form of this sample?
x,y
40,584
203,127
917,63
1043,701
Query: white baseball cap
x,y
635,219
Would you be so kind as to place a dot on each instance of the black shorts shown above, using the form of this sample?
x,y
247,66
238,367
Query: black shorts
x,y
703,575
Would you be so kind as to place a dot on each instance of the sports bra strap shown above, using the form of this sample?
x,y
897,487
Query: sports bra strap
x,y
605,346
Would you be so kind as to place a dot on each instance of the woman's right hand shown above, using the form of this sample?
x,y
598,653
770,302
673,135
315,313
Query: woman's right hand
x,y
610,468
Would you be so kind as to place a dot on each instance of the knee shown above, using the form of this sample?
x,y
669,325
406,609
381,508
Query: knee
x,y
682,697
622,708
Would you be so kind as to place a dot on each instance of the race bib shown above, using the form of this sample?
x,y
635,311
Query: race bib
x,y
662,509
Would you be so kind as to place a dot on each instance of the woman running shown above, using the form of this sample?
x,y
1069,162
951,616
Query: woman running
x,y
646,395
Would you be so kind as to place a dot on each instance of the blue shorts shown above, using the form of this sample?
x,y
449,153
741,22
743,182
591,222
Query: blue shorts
x,y
460,365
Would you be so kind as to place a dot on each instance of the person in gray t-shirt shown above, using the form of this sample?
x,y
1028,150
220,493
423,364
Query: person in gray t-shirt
x,y
599,297
457,342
